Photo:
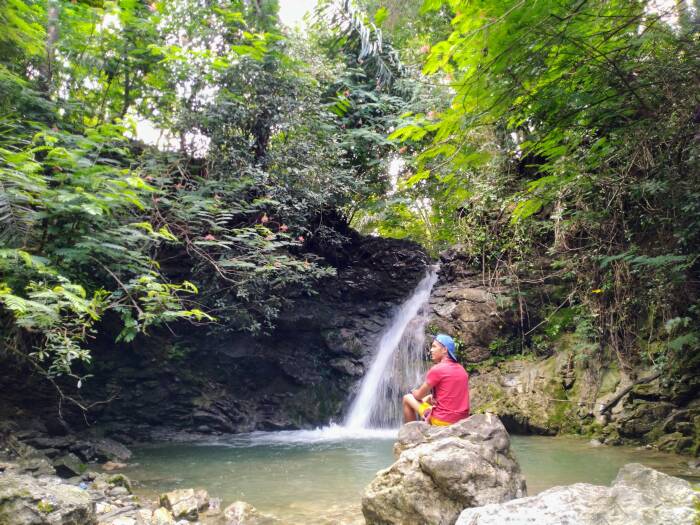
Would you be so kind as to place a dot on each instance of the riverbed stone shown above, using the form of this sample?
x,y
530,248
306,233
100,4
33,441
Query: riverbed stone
x,y
109,450
182,503
124,520
25,500
68,465
202,498
162,516
242,513
639,495
113,465
442,470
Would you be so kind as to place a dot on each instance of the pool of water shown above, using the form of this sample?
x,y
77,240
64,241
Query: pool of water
x,y
317,477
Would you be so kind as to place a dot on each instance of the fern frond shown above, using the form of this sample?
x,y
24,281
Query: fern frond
x,y
365,39
19,183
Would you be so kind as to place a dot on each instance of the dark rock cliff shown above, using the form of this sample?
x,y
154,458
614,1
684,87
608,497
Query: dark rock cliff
x,y
299,375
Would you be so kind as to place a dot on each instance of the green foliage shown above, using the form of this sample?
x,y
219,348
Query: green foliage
x,y
91,220
566,148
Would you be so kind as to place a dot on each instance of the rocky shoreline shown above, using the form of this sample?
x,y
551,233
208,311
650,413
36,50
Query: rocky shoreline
x,y
464,474
48,480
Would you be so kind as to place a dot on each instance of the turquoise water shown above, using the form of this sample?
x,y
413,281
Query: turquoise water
x,y
317,477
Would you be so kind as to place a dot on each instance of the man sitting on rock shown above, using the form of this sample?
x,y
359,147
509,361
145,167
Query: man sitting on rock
x,y
449,382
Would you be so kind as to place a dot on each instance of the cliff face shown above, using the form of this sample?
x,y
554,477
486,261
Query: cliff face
x,y
469,306
299,375
557,395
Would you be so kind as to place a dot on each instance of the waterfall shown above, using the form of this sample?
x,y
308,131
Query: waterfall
x,y
398,366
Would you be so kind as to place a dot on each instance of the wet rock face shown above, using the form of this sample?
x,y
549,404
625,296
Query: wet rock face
x,y
472,311
556,395
442,470
638,495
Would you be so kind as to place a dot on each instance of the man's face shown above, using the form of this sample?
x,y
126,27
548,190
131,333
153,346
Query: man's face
x,y
437,352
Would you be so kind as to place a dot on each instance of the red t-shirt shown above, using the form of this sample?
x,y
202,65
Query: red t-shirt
x,y
450,384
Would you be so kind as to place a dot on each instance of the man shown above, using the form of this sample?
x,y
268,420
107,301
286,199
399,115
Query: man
x,y
449,383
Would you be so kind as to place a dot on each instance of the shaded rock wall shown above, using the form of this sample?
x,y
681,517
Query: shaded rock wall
x,y
558,395
470,307
299,375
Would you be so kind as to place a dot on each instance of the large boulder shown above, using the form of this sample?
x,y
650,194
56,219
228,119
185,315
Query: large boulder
x,y
68,465
442,470
185,503
26,500
638,495
109,450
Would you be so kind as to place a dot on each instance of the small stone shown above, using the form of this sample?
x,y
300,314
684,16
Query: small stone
x,y
242,513
120,480
113,465
123,520
104,508
144,516
214,506
595,443
202,497
162,516
118,491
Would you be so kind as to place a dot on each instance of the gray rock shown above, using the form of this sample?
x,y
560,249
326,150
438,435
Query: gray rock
x,y
202,497
25,500
162,516
118,492
639,495
182,503
68,465
124,520
214,506
442,470
109,450
242,513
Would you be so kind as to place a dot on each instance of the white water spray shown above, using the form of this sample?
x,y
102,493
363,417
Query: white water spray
x,y
398,365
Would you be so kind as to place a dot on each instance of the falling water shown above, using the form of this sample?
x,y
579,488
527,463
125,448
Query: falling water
x,y
398,365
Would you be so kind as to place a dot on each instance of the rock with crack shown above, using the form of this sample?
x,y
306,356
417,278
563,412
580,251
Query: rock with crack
x,y
638,495
442,470
185,503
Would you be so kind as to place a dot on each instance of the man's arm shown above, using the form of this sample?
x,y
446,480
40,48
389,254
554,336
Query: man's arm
x,y
422,391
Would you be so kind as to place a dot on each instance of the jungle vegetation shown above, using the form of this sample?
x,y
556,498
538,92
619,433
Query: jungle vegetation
x,y
176,160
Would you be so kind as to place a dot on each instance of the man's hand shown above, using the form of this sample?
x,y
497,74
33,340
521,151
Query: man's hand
x,y
422,391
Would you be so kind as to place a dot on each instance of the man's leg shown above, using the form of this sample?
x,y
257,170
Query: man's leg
x,y
410,408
